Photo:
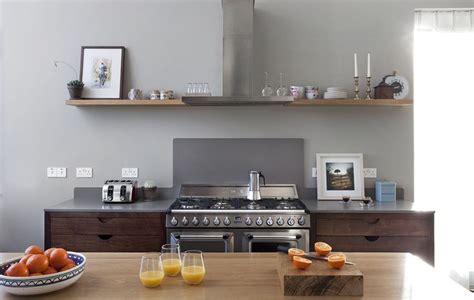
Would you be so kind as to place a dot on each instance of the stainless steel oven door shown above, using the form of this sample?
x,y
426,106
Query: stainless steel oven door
x,y
268,241
204,241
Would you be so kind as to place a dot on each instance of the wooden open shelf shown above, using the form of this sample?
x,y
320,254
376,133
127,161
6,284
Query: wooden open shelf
x,y
178,102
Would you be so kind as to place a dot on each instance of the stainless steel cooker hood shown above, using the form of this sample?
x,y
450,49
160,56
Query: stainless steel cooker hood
x,y
238,60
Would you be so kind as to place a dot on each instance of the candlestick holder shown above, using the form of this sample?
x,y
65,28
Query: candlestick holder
x,y
368,89
356,88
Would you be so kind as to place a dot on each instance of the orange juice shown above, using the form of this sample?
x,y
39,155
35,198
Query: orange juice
x,y
151,278
171,266
193,274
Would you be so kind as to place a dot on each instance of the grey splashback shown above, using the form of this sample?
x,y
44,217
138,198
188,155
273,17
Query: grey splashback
x,y
222,160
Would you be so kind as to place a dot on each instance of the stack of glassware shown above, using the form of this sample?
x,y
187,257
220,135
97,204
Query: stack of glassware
x,y
198,89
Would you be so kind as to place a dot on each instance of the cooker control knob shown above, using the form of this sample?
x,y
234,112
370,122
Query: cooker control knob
x,y
291,221
205,221
280,221
216,221
185,221
269,221
248,221
174,221
226,221
259,221
195,221
301,221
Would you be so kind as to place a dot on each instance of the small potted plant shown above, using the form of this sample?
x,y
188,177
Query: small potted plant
x,y
75,89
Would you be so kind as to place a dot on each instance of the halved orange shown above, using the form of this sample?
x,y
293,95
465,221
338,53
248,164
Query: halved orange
x,y
295,252
322,248
337,260
301,262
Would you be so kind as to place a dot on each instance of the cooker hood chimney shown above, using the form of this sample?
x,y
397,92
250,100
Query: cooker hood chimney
x,y
238,60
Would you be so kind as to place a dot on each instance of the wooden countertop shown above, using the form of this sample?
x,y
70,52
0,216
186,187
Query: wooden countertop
x,y
253,276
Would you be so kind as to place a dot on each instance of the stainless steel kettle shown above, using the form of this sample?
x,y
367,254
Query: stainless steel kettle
x,y
254,185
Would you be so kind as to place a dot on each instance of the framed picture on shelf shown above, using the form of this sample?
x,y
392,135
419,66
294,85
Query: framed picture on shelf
x,y
340,175
102,72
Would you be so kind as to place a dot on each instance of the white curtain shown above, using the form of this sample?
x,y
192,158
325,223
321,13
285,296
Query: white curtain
x,y
444,133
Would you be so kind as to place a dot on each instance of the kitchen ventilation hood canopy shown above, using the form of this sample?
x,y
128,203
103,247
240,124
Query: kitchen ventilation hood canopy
x,y
238,60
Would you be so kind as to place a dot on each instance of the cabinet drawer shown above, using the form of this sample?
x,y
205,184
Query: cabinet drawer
x,y
108,243
377,224
106,225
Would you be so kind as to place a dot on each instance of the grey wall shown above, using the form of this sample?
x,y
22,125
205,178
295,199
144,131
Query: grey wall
x,y
170,43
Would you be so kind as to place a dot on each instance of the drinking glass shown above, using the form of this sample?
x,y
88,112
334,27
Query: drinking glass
x,y
207,91
189,89
195,88
193,270
171,256
151,270
282,90
267,89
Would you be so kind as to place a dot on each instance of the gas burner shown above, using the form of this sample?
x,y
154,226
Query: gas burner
x,y
184,203
285,205
253,205
222,204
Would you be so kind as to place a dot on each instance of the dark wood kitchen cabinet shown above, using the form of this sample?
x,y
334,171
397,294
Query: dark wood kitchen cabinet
x,y
377,232
105,232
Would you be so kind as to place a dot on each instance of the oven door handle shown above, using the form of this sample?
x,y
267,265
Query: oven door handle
x,y
295,237
208,237
252,237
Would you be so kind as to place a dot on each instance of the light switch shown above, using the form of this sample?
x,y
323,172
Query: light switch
x,y
313,172
129,172
84,172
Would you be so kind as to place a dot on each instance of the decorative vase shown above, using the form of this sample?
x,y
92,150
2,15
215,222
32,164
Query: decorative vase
x,y
75,92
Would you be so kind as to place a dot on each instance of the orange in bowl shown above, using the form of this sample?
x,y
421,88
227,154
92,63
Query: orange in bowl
x,y
295,252
301,262
337,260
322,248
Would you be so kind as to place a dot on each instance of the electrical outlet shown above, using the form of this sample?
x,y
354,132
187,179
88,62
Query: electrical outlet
x,y
370,172
129,172
84,172
313,172
55,172
61,172
51,172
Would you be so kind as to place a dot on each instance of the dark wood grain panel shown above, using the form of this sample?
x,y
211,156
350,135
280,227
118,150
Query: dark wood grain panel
x,y
374,224
106,225
108,243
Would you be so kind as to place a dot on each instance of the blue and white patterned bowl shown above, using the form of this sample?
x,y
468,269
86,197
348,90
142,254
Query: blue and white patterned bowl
x,y
36,285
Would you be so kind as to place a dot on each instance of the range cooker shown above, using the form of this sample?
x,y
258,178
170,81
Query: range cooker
x,y
221,219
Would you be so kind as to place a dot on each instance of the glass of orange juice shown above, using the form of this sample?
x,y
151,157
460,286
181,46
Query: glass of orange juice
x,y
170,253
151,270
193,270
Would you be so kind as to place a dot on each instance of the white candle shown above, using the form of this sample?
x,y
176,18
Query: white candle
x,y
356,72
368,64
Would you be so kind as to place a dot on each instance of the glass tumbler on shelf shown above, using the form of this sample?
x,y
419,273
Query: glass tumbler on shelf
x,y
171,256
189,89
267,89
207,90
282,90
151,270
193,270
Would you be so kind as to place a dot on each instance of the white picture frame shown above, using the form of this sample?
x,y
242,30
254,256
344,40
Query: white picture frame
x,y
340,174
102,69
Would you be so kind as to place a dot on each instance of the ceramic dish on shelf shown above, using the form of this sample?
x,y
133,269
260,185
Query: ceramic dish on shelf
x,y
36,285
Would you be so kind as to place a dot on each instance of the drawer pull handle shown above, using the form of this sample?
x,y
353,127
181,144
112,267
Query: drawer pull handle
x,y
105,237
104,220
372,238
373,222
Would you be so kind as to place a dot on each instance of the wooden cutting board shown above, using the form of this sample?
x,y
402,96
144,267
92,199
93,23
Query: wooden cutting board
x,y
319,279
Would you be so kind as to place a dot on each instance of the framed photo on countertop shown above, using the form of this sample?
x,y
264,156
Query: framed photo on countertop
x,y
340,175
102,69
